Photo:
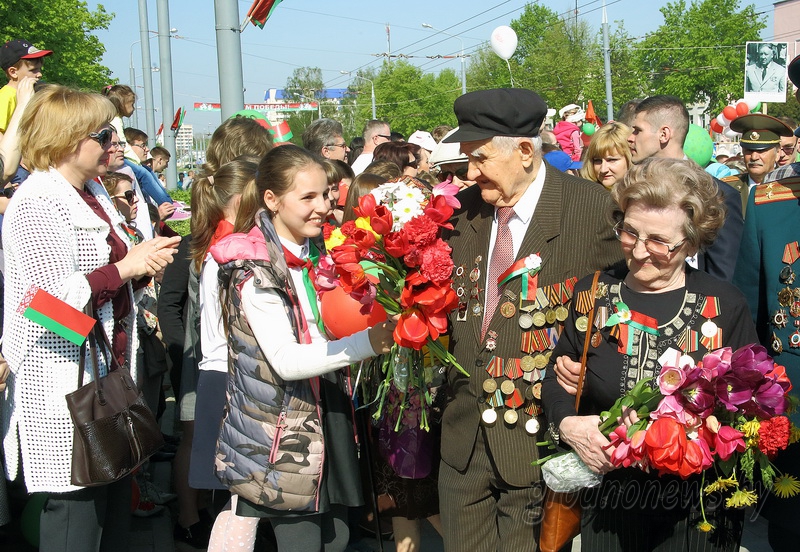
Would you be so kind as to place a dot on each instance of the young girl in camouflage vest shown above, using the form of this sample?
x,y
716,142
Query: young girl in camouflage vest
x,y
286,448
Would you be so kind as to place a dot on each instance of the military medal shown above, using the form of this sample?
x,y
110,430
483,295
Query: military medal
x,y
582,323
536,389
561,313
779,318
532,426
510,417
489,386
709,311
508,309
791,252
785,297
794,339
507,387
597,339
474,274
794,310
489,416
775,344
528,364
539,319
525,321
550,316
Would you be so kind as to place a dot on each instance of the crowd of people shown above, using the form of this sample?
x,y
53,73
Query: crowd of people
x,y
228,317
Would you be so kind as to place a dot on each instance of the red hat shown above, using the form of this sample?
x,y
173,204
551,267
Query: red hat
x,y
15,50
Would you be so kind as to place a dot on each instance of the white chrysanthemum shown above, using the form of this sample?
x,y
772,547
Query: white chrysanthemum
x,y
532,262
405,210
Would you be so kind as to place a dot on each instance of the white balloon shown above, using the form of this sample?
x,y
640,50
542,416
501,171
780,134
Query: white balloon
x,y
722,120
752,104
728,133
504,41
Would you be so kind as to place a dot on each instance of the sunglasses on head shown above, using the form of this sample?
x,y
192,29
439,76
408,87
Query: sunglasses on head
x,y
127,195
103,137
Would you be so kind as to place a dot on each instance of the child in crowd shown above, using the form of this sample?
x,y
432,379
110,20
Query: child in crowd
x,y
19,59
567,131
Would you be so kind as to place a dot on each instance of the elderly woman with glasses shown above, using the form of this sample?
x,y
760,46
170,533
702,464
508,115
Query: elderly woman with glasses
x,y
63,235
666,211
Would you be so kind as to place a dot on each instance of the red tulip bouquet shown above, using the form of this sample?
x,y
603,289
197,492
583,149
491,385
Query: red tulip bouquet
x,y
392,257
723,418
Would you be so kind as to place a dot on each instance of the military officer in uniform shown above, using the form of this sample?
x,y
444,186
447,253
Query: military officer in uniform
x,y
761,141
523,236
766,273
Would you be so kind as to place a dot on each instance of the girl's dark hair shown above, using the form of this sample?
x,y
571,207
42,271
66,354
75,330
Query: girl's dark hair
x,y
276,172
111,181
396,152
210,196
118,94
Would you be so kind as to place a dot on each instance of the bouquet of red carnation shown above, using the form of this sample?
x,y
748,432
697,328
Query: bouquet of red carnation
x,y
393,255
721,418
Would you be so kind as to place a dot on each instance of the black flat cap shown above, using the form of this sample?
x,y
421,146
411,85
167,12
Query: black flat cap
x,y
760,132
499,112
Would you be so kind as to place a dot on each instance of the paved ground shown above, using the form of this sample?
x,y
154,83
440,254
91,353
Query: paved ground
x,y
154,534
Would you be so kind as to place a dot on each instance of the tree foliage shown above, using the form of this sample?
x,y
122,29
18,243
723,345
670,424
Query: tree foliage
x,y
66,27
697,54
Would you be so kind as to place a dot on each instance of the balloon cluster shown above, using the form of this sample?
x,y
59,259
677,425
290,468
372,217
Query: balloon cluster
x,y
722,123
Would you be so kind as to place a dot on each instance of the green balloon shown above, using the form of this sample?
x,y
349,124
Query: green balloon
x,y
757,108
588,129
31,516
699,147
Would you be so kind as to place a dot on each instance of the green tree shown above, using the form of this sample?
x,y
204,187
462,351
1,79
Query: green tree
x,y
697,54
304,85
66,27
407,98
627,77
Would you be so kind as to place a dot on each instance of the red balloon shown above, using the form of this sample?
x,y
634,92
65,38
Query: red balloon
x,y
342,314
742,109
716,127
730,113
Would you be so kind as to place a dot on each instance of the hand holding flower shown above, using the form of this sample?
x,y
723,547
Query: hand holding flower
x,y
583,435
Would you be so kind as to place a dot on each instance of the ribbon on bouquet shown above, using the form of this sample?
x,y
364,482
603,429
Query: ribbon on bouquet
x,y
625,319
527,268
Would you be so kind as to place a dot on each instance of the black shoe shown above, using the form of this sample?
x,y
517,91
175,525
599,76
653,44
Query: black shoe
x,y
196,535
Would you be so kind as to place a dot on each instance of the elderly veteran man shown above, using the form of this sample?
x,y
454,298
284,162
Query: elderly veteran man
x,y
792,169
761,141
766,273
523,222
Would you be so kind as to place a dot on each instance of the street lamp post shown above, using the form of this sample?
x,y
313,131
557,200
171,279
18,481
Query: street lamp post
x,y
372,86
463,69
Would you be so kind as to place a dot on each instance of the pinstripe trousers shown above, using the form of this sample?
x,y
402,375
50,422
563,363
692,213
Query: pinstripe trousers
x,y
482,513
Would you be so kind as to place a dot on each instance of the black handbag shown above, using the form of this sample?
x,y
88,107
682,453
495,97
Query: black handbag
x,y
115,431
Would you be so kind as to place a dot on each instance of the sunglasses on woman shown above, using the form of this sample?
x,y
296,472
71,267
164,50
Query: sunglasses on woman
x,y
103,137
129,196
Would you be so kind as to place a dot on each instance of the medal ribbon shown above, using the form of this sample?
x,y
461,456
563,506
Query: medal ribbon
x,y
791,252
625,319
529,278
710,307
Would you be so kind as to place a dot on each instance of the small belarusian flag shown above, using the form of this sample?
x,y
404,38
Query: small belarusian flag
x,y
260,11
55,315
178,120
282,133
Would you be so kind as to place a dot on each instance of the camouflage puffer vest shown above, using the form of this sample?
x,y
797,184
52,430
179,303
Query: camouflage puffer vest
x,y
270,449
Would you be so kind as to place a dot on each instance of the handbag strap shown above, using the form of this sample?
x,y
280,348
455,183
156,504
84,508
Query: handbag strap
x,y
96,335
586,340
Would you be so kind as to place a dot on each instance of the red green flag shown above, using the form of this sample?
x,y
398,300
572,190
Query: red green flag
x,y
260,11
55,315
282,133
591,116
178,120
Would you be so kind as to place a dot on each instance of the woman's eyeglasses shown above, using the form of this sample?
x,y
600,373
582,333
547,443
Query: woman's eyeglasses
x,y
127,195
103,137
628,238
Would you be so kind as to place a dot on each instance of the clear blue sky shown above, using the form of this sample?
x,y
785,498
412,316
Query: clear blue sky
x,y
334,36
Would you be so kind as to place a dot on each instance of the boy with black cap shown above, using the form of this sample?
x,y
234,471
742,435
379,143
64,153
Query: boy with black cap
x,y
519,208
19,59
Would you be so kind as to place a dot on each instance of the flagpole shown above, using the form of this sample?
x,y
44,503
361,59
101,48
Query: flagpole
x,y
607,64
167,98
229,57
